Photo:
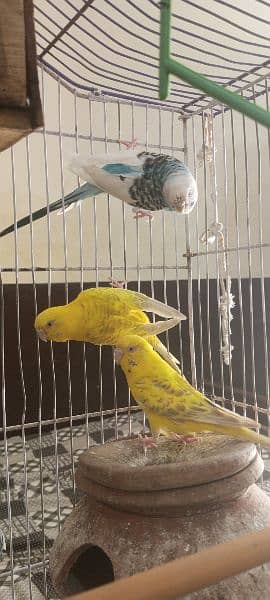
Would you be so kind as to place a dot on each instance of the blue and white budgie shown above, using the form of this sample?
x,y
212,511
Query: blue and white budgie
x,y
147,181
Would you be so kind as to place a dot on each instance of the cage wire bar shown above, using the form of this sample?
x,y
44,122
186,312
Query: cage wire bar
x,y
170,66
14,273
241,201
69,35
197,268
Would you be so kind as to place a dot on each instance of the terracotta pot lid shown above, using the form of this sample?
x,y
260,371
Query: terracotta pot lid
x,y
122,464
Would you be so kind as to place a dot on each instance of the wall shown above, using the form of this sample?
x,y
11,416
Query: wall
x,y
110,237
102,238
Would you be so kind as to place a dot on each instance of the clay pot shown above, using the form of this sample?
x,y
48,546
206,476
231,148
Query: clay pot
x,y
138,512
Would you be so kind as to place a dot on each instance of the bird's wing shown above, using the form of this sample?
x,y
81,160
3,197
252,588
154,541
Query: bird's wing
x,y
115,176
120,163
152,305
122,169
174,398
113,173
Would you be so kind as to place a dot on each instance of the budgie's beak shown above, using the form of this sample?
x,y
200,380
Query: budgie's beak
x,y
118,354
42,335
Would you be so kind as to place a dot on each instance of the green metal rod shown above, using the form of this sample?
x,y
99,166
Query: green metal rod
x,y
231,99
164,48
216,91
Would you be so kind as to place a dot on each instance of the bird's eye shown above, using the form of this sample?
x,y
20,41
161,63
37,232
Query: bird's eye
x,y
131,348
50,323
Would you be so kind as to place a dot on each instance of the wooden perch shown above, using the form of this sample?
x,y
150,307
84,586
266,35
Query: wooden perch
x,y
186,575
20,105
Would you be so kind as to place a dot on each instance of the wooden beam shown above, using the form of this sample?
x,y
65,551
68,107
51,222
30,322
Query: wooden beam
x,y
12,54
20,104
32,83
15,123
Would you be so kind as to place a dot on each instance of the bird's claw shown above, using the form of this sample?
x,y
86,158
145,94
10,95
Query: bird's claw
x,y
147,442
141,213
116,284
130,144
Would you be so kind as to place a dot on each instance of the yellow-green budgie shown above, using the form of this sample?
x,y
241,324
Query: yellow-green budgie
x,y
101,315
171,404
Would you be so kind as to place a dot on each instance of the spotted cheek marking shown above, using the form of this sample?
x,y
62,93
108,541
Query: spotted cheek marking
x,y
132,362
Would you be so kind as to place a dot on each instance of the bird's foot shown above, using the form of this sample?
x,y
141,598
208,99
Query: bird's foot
x,y
116,284
147,442
184,439
141,213
130,144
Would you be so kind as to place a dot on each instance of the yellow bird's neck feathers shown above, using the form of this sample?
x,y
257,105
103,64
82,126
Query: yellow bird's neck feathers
x,y
135,352
61,323
75,321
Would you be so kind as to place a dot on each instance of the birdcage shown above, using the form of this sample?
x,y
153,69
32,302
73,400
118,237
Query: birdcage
x,y
99,86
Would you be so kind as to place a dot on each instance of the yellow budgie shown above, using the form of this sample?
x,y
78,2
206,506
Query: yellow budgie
x,y
101,315
171,404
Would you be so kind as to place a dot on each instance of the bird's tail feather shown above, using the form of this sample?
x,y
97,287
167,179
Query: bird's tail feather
x,y
222,416
211,417
81,164
241,432
38,214
258,438
87,190
166,355
80,193
245,434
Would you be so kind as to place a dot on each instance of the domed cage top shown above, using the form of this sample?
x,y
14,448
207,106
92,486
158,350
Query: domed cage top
x,y
99,86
